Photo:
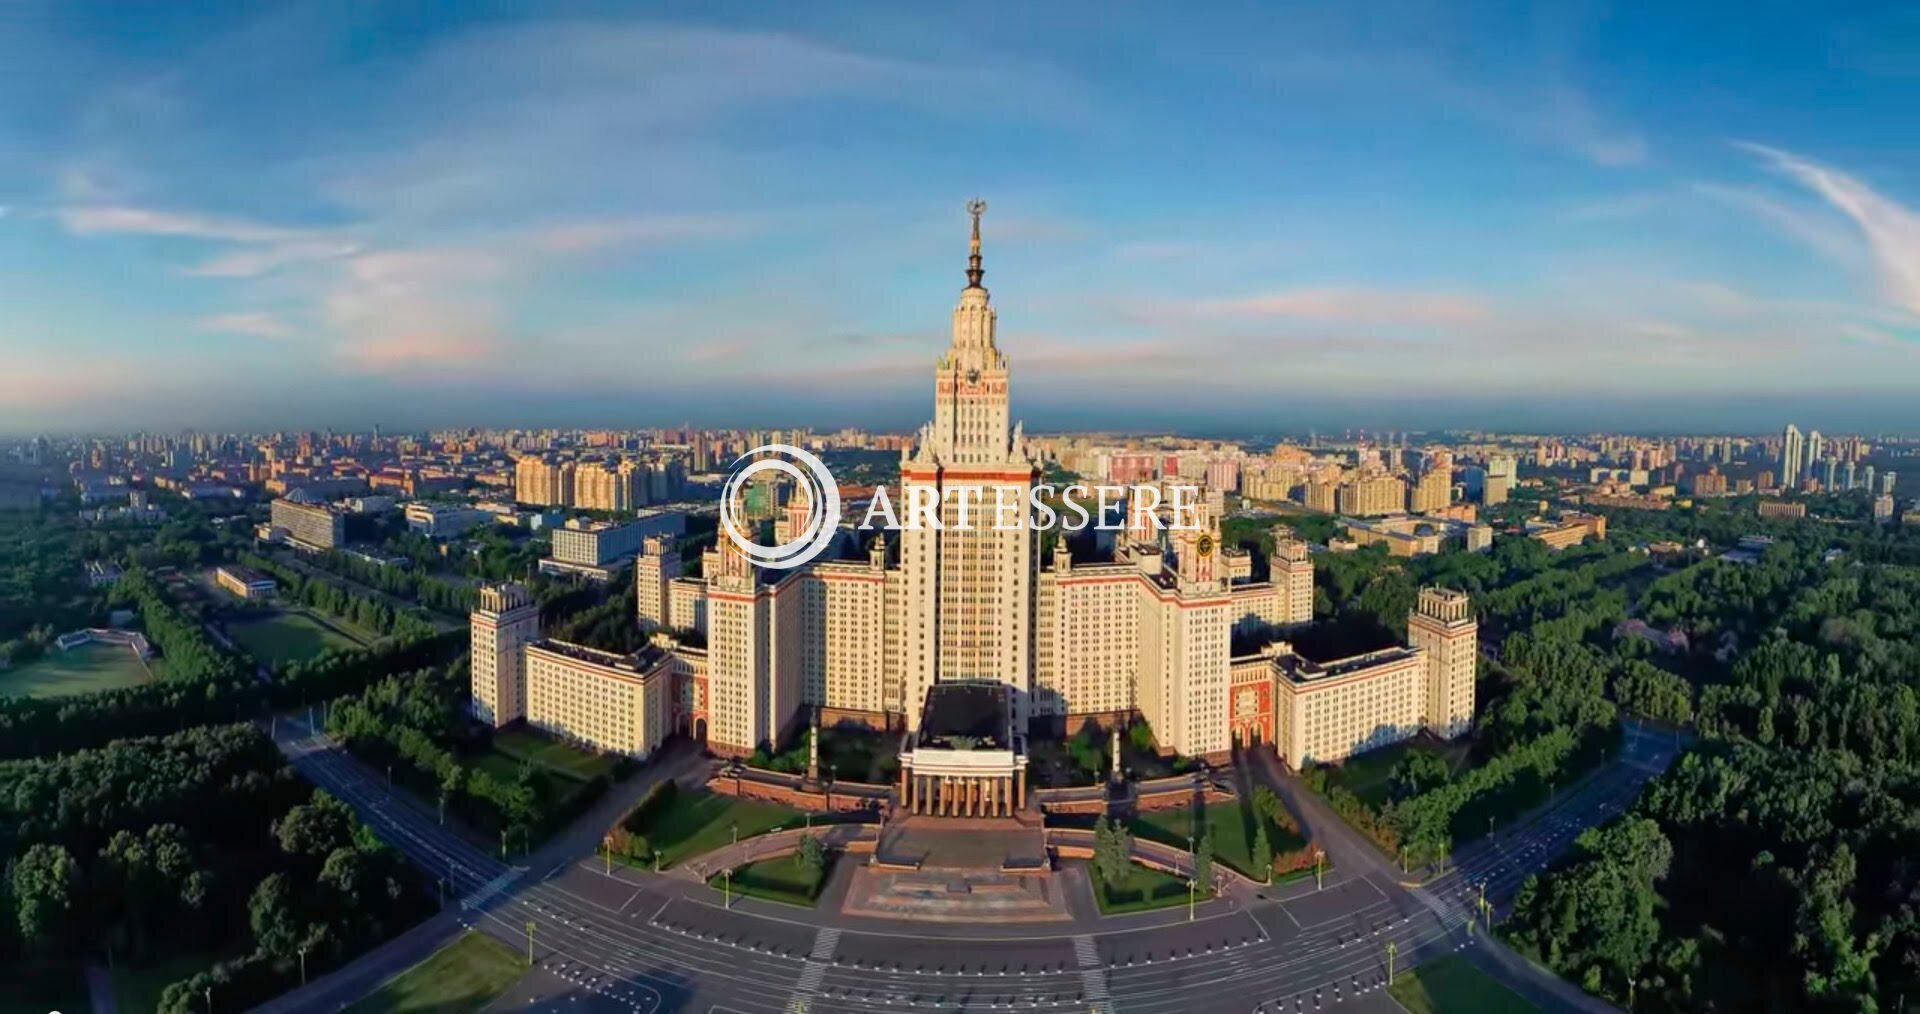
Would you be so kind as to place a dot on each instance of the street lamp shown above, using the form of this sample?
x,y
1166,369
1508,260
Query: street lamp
x,y
529,943
303,966
726,878
1392,950
209,1000
1190,890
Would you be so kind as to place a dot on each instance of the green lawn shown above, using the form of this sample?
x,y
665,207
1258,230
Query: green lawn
x,y
463,976
552,754
499,765
80,670
282,637
700,821
1453,984
1232,827
780,879
1143,890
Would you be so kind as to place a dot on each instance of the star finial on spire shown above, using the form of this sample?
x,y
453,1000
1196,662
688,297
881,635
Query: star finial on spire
x,y
976,208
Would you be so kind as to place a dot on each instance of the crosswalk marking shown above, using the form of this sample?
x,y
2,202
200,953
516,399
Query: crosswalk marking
x,y
814,971
1093,975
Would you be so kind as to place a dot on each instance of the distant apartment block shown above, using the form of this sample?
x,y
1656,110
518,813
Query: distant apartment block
x,y
599,549
309,526
444,520
1405,536
1570,530
1781,509
1373,496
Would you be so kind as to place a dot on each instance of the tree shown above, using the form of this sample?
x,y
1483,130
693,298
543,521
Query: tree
x,y
1417,772
271,914
44,883
1262,850
813,859
1203,863
1112,851
317,828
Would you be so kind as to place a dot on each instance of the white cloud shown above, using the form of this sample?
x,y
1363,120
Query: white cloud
x,y
253,261
1892,231
93,219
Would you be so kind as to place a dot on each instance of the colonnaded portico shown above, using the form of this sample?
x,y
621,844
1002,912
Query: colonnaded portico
x,y
965,759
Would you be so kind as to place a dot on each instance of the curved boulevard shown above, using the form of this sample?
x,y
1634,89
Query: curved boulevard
x,y
619,939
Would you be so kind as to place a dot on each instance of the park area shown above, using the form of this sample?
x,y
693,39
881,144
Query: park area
x,y
1452,985
285,636
1142,890
783,879
83,669
672,825
465,975
1233,827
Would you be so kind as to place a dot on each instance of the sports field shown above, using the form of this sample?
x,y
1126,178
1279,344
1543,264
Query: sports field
x,y
80,670
282,637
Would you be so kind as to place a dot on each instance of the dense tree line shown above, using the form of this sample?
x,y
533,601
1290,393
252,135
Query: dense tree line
x,y
150,848
1792,825
329,597
430,592
416,723
190,655
31,726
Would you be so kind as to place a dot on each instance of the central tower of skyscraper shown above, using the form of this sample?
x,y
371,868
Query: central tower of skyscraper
x,y
969,584
970,380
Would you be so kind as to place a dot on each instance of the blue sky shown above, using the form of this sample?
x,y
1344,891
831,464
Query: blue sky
x,y
1221,217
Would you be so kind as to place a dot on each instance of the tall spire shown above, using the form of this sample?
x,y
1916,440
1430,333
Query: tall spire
x,y
975,208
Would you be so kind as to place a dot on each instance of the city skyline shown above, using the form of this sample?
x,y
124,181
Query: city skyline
x,y
628,220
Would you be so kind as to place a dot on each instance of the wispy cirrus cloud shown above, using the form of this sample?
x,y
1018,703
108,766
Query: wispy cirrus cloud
x,y
96,219
255,261
1891,230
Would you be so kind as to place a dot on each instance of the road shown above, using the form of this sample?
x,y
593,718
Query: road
x,y
626,940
